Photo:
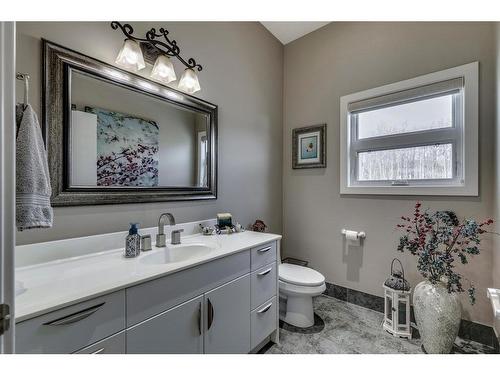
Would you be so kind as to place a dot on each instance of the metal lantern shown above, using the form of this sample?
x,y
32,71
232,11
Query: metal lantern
x,y
397,303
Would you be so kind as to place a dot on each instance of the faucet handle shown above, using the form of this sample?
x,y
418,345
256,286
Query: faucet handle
x,y
146,242
176,236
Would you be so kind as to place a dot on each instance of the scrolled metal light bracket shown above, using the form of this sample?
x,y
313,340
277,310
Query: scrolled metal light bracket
x,y
166,46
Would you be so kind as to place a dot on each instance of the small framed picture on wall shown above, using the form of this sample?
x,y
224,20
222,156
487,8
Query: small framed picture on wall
x,y
309,147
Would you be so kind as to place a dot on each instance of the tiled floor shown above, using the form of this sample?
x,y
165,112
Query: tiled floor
x,y
342,327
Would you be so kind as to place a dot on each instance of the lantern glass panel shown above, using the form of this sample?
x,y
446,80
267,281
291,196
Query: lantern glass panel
x,y
388,308
402,312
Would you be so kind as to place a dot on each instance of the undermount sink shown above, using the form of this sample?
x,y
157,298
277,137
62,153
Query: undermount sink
x,y
177,253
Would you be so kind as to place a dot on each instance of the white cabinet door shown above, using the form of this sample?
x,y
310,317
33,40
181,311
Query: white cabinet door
x,y
175,331
227,317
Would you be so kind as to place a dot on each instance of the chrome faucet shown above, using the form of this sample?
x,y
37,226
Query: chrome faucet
x,y
160,237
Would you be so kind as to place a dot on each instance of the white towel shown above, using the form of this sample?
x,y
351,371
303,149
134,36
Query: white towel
x,y
33,189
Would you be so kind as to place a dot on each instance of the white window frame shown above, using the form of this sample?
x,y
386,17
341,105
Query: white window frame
x,y
463,135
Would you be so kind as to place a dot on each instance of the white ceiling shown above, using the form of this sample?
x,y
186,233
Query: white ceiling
x,y
287,32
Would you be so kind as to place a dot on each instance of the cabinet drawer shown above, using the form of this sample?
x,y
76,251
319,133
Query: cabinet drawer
x,y
263,255
72,328
263,284
264,321
112,345
156,296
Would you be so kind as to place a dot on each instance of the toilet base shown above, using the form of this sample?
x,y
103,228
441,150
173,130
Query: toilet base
x,y
299,311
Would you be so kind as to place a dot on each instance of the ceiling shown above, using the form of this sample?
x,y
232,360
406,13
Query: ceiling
x,y
287,32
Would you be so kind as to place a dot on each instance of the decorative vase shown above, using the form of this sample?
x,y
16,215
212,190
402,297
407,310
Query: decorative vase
x,y
438,314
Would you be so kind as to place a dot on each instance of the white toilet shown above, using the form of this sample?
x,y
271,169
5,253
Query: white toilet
x,y
299,285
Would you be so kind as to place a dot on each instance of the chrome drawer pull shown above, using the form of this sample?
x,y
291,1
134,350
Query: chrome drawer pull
x,y
76,317
98,351
199,319
265,249
263,273
210,314
264,309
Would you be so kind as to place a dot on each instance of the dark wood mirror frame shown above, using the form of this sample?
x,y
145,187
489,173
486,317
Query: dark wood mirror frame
x,y
58,62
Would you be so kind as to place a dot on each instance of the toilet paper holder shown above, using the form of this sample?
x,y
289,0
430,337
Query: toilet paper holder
x,y
359,235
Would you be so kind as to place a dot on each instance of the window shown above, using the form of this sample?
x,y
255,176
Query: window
x,y
415,137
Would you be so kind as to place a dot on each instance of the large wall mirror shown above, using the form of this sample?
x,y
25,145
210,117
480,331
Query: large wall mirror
x,y
115,137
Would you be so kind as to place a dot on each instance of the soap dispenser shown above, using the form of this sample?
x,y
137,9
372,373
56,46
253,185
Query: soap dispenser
x,y
132,242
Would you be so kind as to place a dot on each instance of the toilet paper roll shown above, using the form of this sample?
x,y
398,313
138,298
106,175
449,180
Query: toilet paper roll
x,y
351,237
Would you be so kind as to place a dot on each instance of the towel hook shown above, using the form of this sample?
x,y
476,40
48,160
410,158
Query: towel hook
x,y
24,77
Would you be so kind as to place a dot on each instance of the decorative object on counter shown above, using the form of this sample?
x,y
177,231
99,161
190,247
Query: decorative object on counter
x,y
259,226
224,220
158,52
207,230
146,242
225,224
397,303
309,147
438,239
298,262
225,229
133,242
222,229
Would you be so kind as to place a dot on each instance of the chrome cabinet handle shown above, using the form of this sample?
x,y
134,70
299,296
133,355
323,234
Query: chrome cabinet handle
x,y
99,351
76,317
265,249
263,273
210,314
199,319
265,308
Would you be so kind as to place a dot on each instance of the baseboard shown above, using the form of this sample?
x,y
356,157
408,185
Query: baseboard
x,y
468,330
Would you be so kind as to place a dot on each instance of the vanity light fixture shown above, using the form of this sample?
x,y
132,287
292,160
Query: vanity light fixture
x,y
189,82
163,70
158,50
130,56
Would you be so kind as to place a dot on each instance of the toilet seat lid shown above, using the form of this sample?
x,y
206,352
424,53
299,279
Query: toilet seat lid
x,y
298,275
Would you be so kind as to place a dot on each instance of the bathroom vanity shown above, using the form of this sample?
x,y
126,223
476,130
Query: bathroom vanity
x,y
210,294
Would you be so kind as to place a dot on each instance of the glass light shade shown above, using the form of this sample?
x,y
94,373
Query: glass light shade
x,y
130,56
189,82
163,70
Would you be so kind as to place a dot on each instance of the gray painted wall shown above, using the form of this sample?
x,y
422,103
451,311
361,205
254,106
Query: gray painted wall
x,y
242,74
343,58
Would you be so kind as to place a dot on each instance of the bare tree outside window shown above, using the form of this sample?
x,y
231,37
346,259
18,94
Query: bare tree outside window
x,y
412,163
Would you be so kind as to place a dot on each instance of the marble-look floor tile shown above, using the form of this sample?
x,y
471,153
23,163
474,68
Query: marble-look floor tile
x,y
345,328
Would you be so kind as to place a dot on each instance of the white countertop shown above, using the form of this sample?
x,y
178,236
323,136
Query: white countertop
x,y
48,286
